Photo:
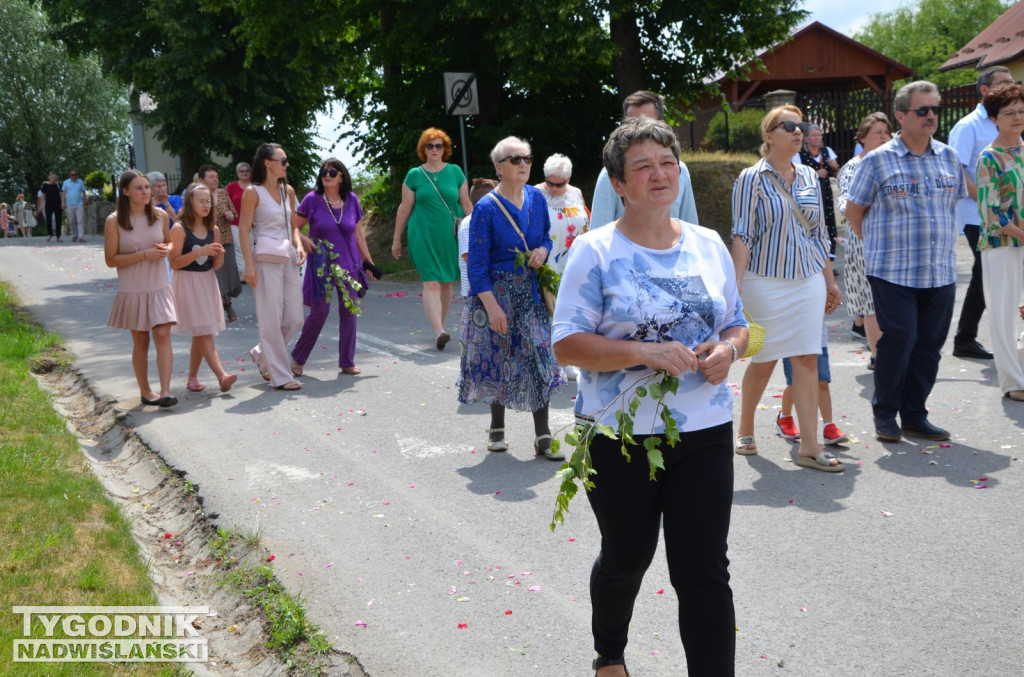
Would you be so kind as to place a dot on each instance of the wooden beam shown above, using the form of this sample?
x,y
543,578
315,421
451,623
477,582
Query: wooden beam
x,y
873,85
750,90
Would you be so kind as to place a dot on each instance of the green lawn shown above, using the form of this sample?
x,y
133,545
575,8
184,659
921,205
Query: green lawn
x,y
62,542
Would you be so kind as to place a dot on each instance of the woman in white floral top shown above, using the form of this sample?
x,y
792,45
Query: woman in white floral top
x,y
570,217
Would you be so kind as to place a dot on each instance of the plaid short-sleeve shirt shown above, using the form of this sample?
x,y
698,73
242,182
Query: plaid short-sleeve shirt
x,y
910,226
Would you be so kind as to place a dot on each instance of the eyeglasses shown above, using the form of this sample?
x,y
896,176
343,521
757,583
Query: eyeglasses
x,y
332,172
788,125
435,146
1011,113
284,161
244,170
923,110
73,175
517,159
552,184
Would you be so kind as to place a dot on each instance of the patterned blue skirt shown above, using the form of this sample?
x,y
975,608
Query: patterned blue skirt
x,y
518,369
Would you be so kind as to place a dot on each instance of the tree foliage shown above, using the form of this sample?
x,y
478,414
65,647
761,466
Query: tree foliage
x,y
924,34
57,112
211,96
737,132
553,73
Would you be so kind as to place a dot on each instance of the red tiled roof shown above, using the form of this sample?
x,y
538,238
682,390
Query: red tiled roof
x,y
1001,42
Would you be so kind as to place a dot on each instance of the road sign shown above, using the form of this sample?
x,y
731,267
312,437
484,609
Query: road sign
x,y
460,96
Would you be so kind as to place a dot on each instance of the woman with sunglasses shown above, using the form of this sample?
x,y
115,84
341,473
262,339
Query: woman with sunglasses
x,y
566,208
781,252
335,239
271,270
434,199
507,360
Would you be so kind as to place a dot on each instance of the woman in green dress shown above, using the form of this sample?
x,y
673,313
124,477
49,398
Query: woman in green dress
x,y
434,199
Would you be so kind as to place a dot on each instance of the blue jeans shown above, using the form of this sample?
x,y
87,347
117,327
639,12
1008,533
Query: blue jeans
x,y
915,324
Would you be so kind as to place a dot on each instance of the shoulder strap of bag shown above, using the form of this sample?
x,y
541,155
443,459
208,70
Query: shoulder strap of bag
x,y
443,201
799,213
509,217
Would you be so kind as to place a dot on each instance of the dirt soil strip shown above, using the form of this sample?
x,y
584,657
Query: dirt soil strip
x,y
158,502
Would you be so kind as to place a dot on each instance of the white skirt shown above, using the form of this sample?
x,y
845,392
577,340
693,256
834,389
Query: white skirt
x,y
791,311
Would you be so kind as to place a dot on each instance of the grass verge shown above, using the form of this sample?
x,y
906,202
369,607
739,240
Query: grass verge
x,y
300,644
63,542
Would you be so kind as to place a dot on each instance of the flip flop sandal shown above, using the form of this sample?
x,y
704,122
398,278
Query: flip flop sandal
x,y
352,371
296,368
291,385
745,446
822,462
195,386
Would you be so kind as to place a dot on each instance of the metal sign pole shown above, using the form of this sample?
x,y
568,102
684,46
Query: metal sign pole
x,y
462,134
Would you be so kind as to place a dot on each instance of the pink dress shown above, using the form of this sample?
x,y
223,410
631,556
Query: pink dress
x,y
196,294
144,297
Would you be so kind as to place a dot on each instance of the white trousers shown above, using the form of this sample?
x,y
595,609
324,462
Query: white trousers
x,y
279,316
239,257
1002,271
76,220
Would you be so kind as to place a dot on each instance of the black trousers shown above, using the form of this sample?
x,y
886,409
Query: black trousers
x,y
974,300
693,497
53,216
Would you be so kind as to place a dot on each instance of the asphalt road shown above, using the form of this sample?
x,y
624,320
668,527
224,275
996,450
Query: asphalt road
x,y
384,510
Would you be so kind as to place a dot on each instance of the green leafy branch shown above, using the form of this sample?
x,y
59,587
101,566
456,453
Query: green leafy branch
x,y
336,276
547,277
579,469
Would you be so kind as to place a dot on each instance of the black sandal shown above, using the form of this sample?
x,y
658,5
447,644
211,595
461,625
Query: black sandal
x,y
602,662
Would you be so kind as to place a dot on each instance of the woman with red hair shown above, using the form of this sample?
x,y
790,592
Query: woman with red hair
x,y
434,200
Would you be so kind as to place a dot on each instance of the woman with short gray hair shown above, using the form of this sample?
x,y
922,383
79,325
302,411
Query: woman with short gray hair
x,y
647,294
566,208
506,333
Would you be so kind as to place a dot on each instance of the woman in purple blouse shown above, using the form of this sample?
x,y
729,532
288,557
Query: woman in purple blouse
x,y
335,237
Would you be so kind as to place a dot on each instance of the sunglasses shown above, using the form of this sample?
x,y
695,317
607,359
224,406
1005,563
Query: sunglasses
x,y
243,171
332,172
552,184
284,161
517,159
435,146
923,110
788,125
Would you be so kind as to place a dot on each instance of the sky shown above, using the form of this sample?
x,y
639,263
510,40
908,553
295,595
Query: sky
x,y
840,15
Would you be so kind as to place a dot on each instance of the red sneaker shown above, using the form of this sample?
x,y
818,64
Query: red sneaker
x,y
785,427
833,435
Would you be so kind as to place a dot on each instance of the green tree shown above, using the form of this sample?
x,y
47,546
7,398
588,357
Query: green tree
x,y
924,34
57,111
212,97
553,73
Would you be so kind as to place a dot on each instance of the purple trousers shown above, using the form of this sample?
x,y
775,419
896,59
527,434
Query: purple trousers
x,y
318,312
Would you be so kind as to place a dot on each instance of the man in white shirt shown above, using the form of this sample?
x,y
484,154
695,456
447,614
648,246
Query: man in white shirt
x,y
607,205
969,137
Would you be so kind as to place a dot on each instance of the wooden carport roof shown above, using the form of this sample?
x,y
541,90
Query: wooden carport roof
x,y
814,59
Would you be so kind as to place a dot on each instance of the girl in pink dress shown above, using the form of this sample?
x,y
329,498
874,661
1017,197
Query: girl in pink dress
x,y
136,241
196,252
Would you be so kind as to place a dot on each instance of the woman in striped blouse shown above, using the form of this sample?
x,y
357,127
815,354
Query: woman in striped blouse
x,y
785,277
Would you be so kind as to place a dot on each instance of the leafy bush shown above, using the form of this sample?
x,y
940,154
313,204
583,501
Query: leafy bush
x,y
741,135
96,180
